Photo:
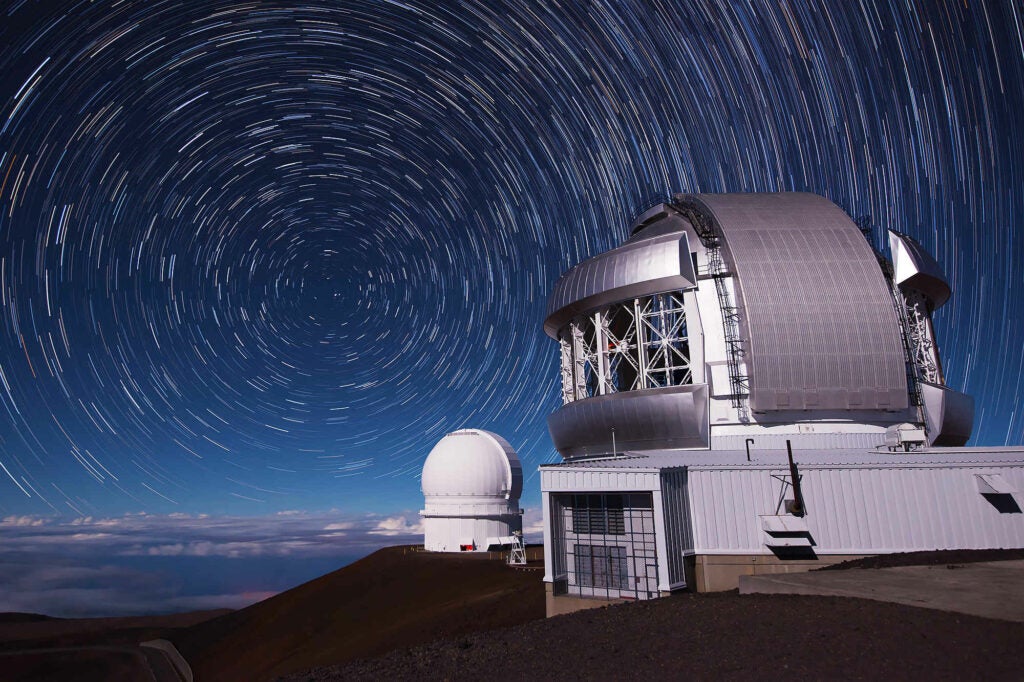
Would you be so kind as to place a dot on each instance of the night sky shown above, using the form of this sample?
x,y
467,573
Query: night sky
x,y
261,256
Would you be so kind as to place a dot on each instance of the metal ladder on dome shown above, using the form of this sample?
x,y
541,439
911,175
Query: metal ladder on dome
x,y
735,353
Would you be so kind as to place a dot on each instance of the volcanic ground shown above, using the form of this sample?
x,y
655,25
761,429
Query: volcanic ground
x,y
406,614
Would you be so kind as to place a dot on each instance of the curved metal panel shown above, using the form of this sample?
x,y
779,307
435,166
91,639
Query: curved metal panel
x,y
472,463
914,268
658,220
640,268
949,415
513,467
652,215
820,330
675,417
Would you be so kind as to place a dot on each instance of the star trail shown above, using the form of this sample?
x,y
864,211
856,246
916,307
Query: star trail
x,y
260,255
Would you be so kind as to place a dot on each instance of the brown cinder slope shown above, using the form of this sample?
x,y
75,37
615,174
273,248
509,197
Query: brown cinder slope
x,y
396,597
717,636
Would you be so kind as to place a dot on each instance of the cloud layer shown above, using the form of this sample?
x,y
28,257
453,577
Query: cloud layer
x,y
144,563
141,563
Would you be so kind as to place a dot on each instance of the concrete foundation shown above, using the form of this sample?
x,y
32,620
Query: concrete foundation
x,y
721,572
558,604
706,573
992,589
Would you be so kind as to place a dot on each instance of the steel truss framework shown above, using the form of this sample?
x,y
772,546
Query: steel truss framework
x,y
627,346
917,334
921,338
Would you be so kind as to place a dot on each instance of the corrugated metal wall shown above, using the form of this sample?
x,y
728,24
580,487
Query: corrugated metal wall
x,y
596,480
856,510
679,535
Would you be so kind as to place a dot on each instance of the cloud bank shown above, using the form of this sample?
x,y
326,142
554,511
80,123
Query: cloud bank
x,y
143,563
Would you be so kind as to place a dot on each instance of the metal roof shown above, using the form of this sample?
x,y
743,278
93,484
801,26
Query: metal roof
x,y
661,263
817,313
865,509
773,459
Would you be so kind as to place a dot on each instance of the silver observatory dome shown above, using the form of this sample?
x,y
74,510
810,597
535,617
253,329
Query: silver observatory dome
x,y
726,317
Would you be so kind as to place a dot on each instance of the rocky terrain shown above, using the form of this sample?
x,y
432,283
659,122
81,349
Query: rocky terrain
x,y
717,636
406,614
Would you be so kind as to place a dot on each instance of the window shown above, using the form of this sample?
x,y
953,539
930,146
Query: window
x,y
598,515
598,566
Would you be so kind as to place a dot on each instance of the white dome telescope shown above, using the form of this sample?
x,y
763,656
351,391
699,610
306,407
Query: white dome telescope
x,y
471,483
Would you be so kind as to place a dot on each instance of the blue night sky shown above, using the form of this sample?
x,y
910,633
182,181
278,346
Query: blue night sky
x,y
256,258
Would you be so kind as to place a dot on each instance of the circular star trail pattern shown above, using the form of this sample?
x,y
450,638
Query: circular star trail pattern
x,y
255,255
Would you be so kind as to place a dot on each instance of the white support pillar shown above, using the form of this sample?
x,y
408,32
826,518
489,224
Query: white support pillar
x,y
601,351
922,337
661,541
545,504
641,346
566,368
579,360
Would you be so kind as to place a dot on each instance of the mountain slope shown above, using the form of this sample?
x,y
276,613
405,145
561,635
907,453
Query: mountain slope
x,y
396,597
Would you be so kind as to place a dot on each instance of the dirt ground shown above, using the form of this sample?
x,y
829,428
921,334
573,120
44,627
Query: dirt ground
x,y
718,636
726,635
403,614
87,664
396,597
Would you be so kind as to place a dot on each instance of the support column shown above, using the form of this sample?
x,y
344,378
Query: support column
x,y
661,541
545,504
641,346
601,351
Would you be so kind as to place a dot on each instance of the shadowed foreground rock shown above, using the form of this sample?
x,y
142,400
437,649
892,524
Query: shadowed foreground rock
x,y
710,636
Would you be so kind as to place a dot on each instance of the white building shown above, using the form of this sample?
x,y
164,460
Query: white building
x,y
726,329
472,481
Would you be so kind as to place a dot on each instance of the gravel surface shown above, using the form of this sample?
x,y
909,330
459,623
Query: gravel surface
x,y
933,558
721,635
434,616
726,635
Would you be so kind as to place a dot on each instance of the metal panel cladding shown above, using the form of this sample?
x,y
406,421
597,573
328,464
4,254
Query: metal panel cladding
x,y
820,328
661,263
916,269
672,417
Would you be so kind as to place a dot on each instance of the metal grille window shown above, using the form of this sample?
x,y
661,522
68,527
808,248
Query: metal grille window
x,y
601,566
598,515
603,545
628,346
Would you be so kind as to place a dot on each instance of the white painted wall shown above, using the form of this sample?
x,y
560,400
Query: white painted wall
x,y
445,533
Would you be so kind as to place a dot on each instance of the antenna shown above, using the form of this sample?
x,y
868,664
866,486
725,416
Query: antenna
x,y
797,507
